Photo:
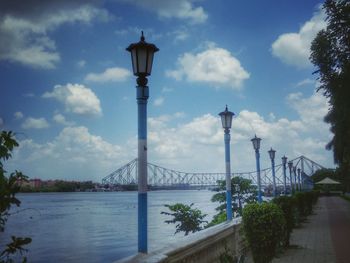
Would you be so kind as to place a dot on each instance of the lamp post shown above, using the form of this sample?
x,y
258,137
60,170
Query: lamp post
x,y
256,145
272,153
142,59
284,163
299,182
295,179
290,166
226,120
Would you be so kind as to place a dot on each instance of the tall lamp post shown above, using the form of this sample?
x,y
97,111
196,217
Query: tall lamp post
x,y
226,120
290,166
142,59
272,153
295,179
256,145
284,163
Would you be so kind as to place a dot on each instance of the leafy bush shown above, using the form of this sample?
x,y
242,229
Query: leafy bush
x,y
287,205
264,226
185,217
300,202
315,195
8,189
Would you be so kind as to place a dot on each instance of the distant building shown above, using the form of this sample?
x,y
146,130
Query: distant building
x,y
31,183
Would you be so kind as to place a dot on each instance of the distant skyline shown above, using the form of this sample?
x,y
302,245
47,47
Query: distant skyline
x,y
68,92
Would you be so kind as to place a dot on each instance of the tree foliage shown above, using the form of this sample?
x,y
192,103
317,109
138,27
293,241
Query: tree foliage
x,y
191,220
330,53
186,218
8,188
242,190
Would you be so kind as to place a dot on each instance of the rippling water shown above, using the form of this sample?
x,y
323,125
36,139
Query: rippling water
x,y
95,227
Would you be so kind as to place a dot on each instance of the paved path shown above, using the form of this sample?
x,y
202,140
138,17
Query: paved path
x,y
324,238
339,219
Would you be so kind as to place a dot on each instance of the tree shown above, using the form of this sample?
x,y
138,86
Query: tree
x,y
8,188
185,217
330,53
191,220
243,192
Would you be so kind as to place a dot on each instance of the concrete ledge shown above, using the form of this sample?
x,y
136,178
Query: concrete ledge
x,y
205,246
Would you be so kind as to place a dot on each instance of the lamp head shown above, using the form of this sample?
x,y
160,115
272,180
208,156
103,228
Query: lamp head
x,y
272,153
226,118
256,143
142,57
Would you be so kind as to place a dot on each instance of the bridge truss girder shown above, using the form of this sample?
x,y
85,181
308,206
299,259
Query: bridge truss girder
x,y
160,176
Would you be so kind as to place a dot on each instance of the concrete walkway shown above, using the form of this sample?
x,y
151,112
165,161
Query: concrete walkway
x,y
323,238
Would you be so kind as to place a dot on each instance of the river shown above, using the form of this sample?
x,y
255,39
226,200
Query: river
x,y
95,227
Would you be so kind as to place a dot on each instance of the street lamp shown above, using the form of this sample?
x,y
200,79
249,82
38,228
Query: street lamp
x,y
256,145
284,163
295,179
299,182
290,166
142,59
272,153
226,120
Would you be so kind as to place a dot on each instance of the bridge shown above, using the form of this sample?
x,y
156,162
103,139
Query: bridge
x,y
162,177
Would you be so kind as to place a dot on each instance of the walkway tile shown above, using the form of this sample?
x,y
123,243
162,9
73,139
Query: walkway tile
x,y
312,243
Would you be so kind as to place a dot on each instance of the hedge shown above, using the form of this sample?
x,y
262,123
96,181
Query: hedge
x,y
263,226
268,226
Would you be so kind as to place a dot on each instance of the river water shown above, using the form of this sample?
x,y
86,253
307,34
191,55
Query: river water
x,y
95,227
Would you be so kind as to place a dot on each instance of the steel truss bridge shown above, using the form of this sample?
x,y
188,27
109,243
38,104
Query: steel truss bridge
x,y
162,177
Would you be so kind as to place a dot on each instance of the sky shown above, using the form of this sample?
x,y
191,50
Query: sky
x,y
68,92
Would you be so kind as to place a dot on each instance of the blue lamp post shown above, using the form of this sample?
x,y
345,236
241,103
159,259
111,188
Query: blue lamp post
x,y
290,166
256,145
272,153
226,120
284,163
142,59
295,179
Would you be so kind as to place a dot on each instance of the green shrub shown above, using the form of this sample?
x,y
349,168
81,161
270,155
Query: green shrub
x,y
315,195
308,196
264,225
287,205
300,202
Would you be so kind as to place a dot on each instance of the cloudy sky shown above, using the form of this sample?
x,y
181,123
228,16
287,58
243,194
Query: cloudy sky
x,y
68,92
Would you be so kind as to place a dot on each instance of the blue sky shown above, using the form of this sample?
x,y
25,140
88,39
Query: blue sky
x,y
68,92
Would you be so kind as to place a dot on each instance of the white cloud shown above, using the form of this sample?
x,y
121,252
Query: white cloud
x,y
198,145
158,101
60,119
179,35
18,115
195,145
75,154
110,74
305,82
215,66
77,99
294,48
24,32
167,89
81,63
181,9
33,123
317,102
